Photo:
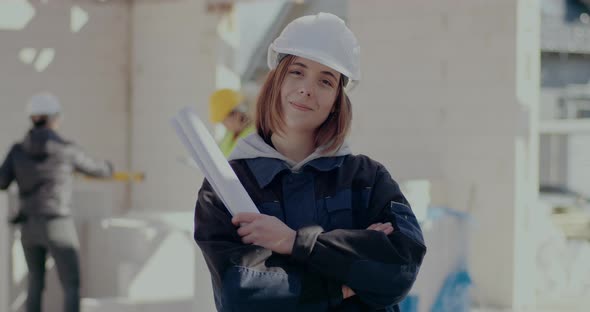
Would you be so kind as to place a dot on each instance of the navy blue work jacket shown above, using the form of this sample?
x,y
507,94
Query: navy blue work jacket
x,y
329,203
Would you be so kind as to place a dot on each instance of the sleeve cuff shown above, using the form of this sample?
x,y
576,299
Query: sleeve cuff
x,y
305,240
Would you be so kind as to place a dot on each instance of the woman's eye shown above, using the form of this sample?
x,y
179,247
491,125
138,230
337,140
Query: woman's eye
x,y
295,72
327,82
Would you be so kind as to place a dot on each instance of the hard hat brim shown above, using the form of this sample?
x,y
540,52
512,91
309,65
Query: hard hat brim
x,y
273,61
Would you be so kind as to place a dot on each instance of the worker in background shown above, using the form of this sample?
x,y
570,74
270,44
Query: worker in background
x,y
42,166
227,106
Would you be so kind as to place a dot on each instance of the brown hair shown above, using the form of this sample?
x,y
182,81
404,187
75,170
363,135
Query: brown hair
x,y
269,115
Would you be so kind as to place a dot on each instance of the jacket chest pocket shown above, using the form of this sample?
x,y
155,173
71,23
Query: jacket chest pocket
x,y
337,211
272,209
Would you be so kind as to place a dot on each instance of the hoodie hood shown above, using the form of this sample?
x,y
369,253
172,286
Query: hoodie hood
x,y
37,142
253,146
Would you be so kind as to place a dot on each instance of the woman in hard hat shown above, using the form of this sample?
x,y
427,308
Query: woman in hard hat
x,y
335,233
226,107
42,166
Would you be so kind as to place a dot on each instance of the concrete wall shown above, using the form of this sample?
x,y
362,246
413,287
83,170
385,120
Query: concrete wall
x,y
120,79
440,95
173,66
88,72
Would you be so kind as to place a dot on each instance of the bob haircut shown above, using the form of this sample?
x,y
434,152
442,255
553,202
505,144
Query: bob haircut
x,y
269,115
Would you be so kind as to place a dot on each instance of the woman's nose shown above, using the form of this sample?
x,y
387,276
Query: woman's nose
x,y
305,92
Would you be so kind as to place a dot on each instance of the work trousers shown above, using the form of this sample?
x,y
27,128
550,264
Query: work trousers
x,y
56,236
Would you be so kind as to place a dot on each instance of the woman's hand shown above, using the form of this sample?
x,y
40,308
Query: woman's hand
x,y
265,231
347,292
386,228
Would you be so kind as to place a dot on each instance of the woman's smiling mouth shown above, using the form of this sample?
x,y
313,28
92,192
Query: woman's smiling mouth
x,y
300,107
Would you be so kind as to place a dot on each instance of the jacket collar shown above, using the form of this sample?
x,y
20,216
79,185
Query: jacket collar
x,y
266,169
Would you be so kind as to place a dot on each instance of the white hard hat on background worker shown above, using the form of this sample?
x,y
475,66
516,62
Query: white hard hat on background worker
x,y
312,37
43,104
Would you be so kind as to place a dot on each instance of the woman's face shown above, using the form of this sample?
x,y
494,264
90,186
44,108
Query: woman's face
x,y
308,93
234,122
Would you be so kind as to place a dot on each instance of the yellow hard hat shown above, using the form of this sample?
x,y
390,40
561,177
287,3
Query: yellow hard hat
x,y
222,102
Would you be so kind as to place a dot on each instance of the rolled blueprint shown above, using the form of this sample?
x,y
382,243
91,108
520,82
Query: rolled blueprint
x,y
204,151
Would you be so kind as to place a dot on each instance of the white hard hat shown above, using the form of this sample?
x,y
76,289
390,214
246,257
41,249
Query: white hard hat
x,y
323,38
43,104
